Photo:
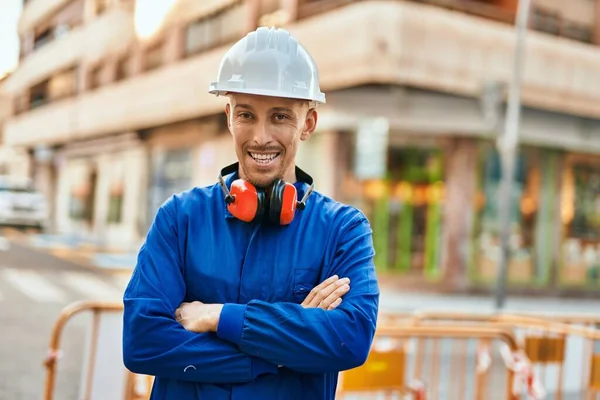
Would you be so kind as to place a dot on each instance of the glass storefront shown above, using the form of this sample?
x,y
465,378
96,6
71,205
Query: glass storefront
x,y
405,210
580,217
532,216
554,214
171,172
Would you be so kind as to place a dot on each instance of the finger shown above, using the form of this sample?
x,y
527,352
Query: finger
x,y
336,294
335,304
324,293
179,312
317,288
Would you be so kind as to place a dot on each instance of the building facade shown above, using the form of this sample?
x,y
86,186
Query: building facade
x,y
415,102
13,162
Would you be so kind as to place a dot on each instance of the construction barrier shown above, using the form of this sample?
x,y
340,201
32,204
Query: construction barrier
x,y
457,363
103,374
421,356
562,350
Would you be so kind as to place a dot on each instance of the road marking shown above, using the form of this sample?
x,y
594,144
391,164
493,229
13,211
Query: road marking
x,y
91,286
34,286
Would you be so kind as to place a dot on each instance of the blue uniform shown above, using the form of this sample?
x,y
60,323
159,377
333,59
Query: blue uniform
x,y
267,345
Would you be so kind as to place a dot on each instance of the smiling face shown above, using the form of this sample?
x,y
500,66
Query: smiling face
x,y
266,133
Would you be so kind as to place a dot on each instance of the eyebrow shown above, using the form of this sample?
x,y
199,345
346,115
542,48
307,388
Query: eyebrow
x,y
274,109
283,109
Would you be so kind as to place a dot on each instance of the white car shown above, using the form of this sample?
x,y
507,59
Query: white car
x,y
21,205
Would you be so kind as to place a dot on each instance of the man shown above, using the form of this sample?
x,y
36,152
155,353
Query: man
x,y
236,294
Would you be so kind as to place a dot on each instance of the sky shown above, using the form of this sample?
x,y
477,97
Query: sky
x,y
149,15
9,40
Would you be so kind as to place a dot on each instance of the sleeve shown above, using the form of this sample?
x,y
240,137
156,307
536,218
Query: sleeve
x,y
154,343
313,340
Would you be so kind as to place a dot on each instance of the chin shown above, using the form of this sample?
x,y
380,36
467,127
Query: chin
x,y
261,177
261,180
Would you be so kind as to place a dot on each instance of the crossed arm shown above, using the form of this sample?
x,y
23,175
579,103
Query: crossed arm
x,y
235,343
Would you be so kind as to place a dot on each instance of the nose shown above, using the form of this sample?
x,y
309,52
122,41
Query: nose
x,y
262,134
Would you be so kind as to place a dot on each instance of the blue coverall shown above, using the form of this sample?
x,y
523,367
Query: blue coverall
x,y
196,250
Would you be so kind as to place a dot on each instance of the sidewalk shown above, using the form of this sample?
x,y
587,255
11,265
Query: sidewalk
x,y
396,301
77,249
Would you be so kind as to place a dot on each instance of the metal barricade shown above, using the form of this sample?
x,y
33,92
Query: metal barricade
x,y
425,355
458,364
562,349
103,374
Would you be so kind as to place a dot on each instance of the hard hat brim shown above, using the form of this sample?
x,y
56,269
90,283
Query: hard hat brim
x,y
319,98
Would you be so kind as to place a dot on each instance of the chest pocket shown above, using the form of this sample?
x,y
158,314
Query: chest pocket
x,y
305,279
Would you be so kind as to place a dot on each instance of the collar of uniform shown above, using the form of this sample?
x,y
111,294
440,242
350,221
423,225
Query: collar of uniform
x,y
300,185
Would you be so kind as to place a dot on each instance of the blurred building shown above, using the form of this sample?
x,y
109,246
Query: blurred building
x,y
415,91
13,162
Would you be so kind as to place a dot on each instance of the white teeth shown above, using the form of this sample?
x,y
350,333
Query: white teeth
x,y
263,158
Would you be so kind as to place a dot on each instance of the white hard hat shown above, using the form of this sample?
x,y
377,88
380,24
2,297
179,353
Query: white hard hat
x,y
269,62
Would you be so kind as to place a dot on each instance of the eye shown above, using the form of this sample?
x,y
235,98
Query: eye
x,y
245,115
280,117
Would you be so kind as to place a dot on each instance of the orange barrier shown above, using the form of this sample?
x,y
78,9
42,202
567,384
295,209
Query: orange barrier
x,y
396,366
560,348
135,387
424,355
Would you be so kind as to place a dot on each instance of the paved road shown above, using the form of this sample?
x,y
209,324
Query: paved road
x,y
34,287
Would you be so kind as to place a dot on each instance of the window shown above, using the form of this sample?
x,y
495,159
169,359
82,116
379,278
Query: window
x,y
115,203
38,95
59,86
70,16
524,207
404,205
580,213
198,37
215,30
42,38
573,20
578,32
59,24
79,202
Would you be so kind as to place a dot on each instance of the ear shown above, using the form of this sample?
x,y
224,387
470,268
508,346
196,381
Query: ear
x,y
228,114
310,124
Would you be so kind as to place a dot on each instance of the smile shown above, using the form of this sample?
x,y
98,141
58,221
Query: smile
x,y
263,158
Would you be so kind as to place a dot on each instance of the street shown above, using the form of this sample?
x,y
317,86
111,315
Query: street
x,y
34,287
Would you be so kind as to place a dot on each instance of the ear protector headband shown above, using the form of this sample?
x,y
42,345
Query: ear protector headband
x,y
249,204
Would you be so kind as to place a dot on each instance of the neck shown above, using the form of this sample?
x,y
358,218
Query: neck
x,y
290,174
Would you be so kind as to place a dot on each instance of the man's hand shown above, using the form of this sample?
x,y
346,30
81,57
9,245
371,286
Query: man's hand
x,y
199,317
328,294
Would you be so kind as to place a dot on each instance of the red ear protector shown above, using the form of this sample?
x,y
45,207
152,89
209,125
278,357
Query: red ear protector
x,y
249,204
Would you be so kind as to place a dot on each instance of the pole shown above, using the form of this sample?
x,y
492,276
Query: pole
x,y
507,146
